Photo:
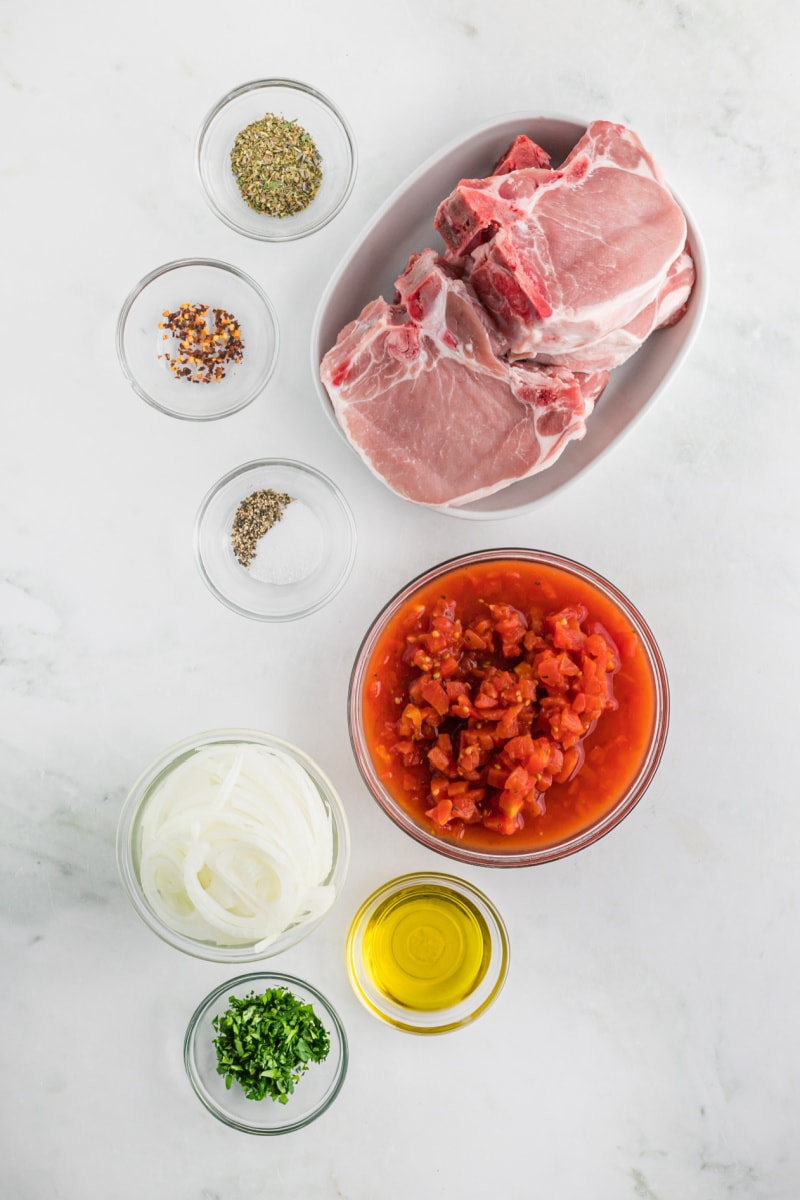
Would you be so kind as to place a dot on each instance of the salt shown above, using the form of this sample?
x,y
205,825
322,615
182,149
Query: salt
x,y
291,549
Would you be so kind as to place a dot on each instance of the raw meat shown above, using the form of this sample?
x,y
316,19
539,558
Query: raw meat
x,y
490,359
576,265
521,153
477,209
473,211
667,309
423,394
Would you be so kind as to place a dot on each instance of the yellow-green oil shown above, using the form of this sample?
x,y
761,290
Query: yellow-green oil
x,y
426,948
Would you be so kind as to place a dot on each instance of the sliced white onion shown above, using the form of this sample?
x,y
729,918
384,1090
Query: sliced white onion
x,y
236,845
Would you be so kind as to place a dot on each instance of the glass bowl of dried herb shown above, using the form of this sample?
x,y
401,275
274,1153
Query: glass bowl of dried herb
x,y
275,539
276,159
266,1053
197,339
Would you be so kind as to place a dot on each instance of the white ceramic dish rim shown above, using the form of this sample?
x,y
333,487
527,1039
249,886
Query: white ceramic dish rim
x,y
567,469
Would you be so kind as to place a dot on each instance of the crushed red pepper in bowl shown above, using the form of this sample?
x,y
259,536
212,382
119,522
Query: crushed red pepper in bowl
x,y
508,707
208,341
177,328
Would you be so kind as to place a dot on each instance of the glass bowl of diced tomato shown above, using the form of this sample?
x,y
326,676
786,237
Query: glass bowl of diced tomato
x,y
508,707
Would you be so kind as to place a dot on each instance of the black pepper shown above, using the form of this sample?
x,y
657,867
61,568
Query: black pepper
x,y
254,517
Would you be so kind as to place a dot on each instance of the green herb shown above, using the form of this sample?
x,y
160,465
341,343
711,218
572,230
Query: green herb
x,y
254,517
277,166
266,1042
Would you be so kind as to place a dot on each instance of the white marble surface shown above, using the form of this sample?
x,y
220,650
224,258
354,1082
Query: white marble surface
x,y
645,1045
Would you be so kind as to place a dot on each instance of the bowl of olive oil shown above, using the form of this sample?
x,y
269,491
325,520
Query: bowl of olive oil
x,y
427,953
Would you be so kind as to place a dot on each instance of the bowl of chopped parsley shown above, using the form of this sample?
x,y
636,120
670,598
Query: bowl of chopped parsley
x,y
276,159
266,1053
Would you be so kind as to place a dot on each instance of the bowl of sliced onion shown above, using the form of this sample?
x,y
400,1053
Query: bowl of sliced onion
x,y
233,845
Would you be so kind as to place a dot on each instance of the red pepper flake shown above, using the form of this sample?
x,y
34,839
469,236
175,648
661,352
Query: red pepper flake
x,y
207,344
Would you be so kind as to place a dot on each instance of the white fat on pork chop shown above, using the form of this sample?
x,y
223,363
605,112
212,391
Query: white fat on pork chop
x,y
578,264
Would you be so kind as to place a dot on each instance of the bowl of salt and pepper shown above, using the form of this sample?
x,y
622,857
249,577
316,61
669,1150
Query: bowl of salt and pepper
x,y
275,539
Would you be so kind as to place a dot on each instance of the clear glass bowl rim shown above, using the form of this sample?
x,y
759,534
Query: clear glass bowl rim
x,y
445,1020
577,841
132,806
133,296
294,85
269,979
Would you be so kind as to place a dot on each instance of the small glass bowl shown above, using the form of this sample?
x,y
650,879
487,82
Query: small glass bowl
x,y
129,841
427,953
295,102
301,562
140,341
612,608
314,1092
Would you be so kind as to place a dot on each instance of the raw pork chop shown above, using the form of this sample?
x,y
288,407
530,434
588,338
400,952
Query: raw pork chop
x,y
521,153
422,394
472,213
576,265
620,344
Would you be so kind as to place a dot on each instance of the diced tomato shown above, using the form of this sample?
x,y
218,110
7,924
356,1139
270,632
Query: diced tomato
x,y
438,786
511,803
496,777
572,762
501,823
517,749
492,707
518,781
474,641
566,627
508,725
456,689
436,696
439,760
465,806
441,813
413,715
541,756
461,707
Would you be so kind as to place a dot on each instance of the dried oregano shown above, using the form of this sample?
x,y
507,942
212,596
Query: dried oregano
x,y
277,166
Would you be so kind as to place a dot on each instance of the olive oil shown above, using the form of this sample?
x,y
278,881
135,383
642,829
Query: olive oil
x,y
426,947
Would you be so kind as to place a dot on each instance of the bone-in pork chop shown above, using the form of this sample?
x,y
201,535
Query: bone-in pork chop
x,y
423,393
576,265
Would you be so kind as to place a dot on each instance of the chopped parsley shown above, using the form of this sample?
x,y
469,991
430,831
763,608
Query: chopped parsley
x,y
266,1042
